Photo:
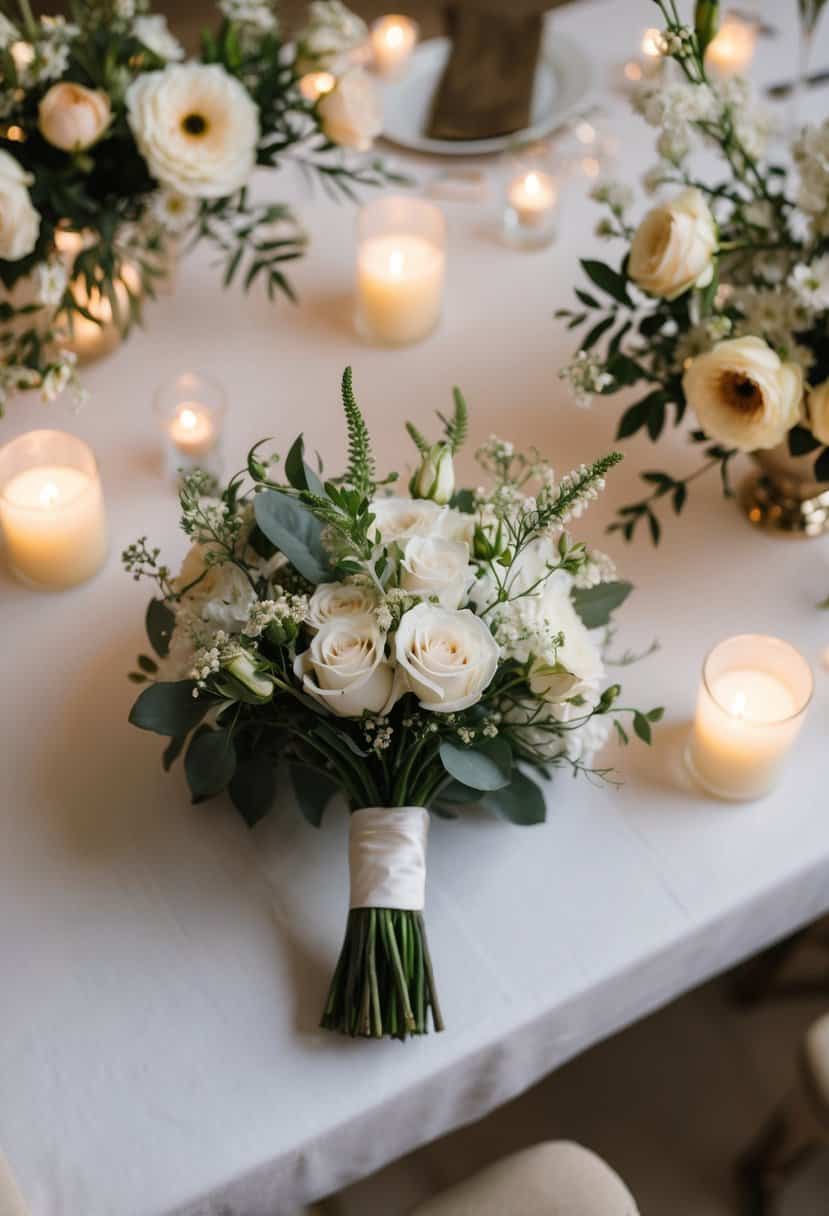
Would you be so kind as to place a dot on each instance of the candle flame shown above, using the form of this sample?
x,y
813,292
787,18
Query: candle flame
x,y
188,419
49,494
532,183
396,262
314,85
633,71
738,705
394,35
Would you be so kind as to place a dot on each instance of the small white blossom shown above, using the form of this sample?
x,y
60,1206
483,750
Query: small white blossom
x,y
811,284
59,376
616,195
174,212
152,30
51,283
9,33
586,375
257,14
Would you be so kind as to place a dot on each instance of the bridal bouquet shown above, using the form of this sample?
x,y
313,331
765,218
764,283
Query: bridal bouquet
x,y
111,148
409,653
721,299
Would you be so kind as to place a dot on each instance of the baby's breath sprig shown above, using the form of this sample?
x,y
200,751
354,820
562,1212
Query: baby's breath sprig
x,y
141,561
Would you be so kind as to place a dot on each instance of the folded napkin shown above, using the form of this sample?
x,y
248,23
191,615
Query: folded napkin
x,y
487,85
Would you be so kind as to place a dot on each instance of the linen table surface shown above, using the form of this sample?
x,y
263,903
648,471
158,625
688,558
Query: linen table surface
x,y
163,967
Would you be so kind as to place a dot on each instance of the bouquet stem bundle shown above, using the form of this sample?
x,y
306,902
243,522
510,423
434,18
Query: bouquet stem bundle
x,y
383,983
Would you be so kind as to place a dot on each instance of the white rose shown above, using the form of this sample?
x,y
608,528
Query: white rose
x,y
333,601
819,411
448,658
434,568
399,518
673,248
743,394
19,222
577,667
197,128
72,117
351,114
435,477
345,669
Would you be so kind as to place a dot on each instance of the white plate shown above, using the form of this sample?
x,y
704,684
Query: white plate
x,y
562,81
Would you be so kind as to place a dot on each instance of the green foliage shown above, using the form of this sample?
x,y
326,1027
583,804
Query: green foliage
x,y
159,622
252,788
313,788
520,802
295,531
210,762
486,766
596,605
360,472
169,709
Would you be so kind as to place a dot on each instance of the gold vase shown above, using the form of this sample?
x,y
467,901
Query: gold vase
x,y
782,496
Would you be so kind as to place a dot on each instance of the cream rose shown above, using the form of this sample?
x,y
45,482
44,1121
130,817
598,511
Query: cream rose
x,y
819,411
400,518
334,601
197,128
673,248
351,113
577,667
344,668
72,117
743,394
436,569
19,222
447,658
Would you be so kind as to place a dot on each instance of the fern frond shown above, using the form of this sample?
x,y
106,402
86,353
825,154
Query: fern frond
x,y
417,438
457,428
361,467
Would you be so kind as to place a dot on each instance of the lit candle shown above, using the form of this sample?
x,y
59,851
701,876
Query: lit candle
x,y
92,339
190,410
192,431
532,196
23,54
393,39
730,53
52,510
400,269
750,708
314,85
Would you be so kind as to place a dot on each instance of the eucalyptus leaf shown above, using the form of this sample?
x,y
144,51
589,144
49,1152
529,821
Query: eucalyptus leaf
x,y
608,280
172,752
253,786
486,765
314,788
295,531
596,605
210,762
159,621
521,802
169,709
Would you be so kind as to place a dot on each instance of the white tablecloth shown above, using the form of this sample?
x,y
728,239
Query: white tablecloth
x,y
164,969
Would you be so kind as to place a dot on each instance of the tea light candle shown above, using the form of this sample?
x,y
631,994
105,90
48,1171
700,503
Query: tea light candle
x,y
533,197
730,53
400,270
92,339
314,85
190,409
392,41
751,705
52,510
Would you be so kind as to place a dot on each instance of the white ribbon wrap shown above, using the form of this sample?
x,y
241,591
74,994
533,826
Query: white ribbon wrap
x,y
387,857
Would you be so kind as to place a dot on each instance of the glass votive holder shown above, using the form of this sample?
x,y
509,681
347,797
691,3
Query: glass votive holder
x,y
190,409
51,510
530,198
91,337
392,40
751,705
401,257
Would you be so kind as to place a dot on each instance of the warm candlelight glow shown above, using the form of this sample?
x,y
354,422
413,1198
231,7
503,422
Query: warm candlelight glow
x,y
732,51
51,509
314,85
653,44
400,267
393,39
633,71
751,704
23,54
190,409
192,430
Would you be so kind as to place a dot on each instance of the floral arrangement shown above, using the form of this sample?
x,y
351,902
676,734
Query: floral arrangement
x,y
411,653
721,300
112,147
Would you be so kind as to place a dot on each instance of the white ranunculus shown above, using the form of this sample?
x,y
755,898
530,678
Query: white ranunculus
x,y
222,596
743,394
197,128
72,117
400,518
152,30
345,668
434,568
448,658
819,411
351,114
673,248
19,222
335,601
